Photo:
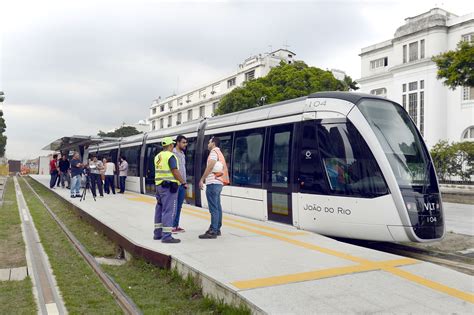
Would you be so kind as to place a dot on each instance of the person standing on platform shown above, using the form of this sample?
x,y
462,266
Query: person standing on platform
x,y
76,172
95,166
181,144
64,166
53,171
109,176
123,172
167,181
216,176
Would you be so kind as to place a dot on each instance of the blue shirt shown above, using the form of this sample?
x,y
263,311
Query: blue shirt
x,y
173,164
75,170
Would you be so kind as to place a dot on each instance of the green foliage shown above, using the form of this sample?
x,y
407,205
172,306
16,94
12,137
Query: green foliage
x,y
124,131
455,159
283,82
456,67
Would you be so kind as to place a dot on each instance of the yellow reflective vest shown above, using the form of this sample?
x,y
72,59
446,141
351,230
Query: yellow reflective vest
x,y
162,167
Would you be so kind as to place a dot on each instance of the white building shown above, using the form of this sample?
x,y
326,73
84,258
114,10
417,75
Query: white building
x,y
401,69
203,101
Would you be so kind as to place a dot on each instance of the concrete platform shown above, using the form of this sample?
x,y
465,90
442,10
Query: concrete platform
x,y
278,269
459,218
13,274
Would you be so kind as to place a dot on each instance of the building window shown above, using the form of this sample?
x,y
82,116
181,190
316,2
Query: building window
x,y
413,106
214,106
379,63
468,37
178,119
404,53
467,93
153,127
404,87
422,84
468,134
201,111
162,108
413,86
413,51
250,75
422,113
169,121
422,49
153,111
380,92
230,83
161,123
404,101
190,114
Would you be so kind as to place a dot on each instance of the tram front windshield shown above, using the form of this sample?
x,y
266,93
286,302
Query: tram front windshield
x,y
401,143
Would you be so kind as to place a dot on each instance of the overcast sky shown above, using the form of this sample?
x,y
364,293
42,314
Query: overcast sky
x,y
74,68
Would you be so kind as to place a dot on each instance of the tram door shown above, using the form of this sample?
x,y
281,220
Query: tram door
x,y
278,173
149,167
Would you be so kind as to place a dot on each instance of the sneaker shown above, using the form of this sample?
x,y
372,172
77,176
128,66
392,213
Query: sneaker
x,y
156,238
73,196
210,232
171,241
208,235
177,230
78,196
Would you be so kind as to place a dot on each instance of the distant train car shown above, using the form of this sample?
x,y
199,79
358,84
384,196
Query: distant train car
x,y
336,163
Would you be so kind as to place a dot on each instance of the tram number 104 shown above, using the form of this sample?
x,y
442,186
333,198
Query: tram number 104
x,y
430,219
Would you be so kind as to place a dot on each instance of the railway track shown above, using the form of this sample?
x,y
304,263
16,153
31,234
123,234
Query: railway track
x,y
124,302
460,263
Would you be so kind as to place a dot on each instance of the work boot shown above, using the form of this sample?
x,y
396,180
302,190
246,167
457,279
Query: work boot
x,y
210,232
171,241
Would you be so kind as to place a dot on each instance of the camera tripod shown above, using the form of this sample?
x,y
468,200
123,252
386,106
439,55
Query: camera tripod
x,y
84,190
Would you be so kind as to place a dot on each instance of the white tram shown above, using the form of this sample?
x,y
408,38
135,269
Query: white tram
x,y
337,163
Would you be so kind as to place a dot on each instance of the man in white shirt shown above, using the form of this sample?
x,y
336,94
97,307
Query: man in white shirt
x,y
215,175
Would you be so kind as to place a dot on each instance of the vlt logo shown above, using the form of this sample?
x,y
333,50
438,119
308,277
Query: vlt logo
x,y
430,206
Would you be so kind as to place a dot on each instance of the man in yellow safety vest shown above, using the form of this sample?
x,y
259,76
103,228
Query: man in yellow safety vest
x,y
167,181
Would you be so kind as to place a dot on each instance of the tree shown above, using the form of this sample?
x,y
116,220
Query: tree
x,y
123,131
456,67
349,84
283,82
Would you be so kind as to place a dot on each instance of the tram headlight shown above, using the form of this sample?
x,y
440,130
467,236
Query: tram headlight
x,y
411,206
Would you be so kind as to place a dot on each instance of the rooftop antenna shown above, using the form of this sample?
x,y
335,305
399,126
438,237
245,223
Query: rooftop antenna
x,y
285,45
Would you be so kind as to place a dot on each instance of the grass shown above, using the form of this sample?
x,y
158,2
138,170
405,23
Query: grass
x,y
80,288
12,247
154,290
16,297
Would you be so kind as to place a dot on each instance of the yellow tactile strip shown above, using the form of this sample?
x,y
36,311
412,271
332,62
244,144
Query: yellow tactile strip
x,y
363,265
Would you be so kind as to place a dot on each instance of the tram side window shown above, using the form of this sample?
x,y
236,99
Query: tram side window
x,y
248,155
132,154
311,174
350,167
225,146
190,150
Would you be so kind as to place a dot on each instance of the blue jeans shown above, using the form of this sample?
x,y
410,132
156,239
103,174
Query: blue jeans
x,y
122,183
54,177
213,195
181,195
75,185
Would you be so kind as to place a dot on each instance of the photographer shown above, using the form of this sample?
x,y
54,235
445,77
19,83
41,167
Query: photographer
x,y
95,167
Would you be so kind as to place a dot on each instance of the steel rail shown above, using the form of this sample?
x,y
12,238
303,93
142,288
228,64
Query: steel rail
x,y
122,299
